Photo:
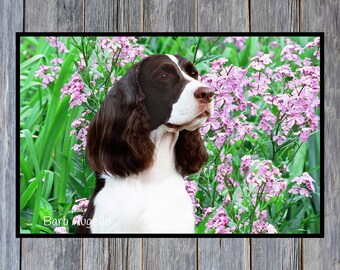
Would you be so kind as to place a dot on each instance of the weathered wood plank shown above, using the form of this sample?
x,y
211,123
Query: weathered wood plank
x,y
130,15
51,254
223,16
100,16
216,254
169,253
112,253
276,254
11,20
174,15
114,16
324,16
50,15
277,15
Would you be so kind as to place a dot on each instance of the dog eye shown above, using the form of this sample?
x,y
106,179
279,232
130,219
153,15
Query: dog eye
x,y
164,76
193,74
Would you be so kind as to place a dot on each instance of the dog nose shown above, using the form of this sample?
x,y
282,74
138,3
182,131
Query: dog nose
x,y
204,94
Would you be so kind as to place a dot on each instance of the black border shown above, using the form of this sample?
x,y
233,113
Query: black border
x,y
132,235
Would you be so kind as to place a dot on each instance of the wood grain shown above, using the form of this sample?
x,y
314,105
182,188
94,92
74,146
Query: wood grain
x,y
112,253
51,254
276,254
216,253
11,20
50,15
223,16
274,15
324,16
172,16
169,253
114,16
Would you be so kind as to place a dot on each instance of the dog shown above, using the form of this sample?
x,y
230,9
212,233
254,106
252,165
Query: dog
x,y
141,143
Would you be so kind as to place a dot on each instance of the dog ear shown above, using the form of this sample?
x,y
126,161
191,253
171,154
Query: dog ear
x,y
190,151
118,137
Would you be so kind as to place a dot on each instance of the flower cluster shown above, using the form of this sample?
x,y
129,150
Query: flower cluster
x,y
121,49
223,173
192,188
49,74
260,227
312,45
240,42
80,206
80,127
60,230
265,177
228,83
219,222
304,185
76,90
54,42
236,87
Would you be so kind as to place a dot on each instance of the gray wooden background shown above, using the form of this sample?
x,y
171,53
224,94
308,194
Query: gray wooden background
x,y
169,15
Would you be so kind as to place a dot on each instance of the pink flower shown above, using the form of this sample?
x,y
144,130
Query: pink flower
x,y
304,135
304,192
265,176
54,42
218,64
260,61
267,121
238,41
261,227
41,72
60,230
192,188
75,89
304,185
124,49
294,190
57,61
246,163
47,79
77,220
207,212
279,138
219,222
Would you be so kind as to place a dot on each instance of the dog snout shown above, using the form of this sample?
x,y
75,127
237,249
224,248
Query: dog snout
x,y
204,94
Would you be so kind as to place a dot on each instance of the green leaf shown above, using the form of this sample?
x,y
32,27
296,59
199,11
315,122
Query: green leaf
x,y
31,61
46,209
27,134
28,193
47,184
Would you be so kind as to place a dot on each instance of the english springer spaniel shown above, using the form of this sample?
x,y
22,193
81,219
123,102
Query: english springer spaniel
x,y
141,143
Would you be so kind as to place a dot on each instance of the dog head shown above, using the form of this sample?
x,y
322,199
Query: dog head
x,y
159,90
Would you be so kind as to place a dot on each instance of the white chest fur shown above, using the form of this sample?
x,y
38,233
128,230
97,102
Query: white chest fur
x,y
154,201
